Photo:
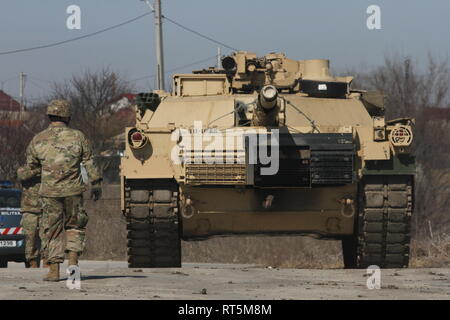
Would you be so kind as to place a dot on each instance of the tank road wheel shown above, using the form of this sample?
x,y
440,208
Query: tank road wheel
x,y
153,224
384,223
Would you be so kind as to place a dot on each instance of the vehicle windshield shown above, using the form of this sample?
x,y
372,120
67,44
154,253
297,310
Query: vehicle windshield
x,y
9,199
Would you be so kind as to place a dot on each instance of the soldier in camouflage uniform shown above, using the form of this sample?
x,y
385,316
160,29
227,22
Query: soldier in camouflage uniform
x,y
59,151
31,222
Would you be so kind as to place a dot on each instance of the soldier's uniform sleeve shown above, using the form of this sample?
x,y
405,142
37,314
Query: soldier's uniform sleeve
x,y
88,161
33,164
25,173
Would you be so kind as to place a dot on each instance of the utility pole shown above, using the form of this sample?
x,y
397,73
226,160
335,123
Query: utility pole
x,y
22,77
156,9
219,59
159,45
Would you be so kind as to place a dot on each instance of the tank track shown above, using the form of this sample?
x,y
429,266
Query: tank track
x,y
384,223
153,224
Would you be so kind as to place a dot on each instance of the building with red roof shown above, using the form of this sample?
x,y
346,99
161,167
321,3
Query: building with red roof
x,y
8,103
9,111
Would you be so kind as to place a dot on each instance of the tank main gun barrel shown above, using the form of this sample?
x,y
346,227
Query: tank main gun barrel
x,y
267,97
266,111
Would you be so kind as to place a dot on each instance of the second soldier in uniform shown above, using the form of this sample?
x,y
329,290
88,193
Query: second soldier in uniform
x,y
31,222
59,151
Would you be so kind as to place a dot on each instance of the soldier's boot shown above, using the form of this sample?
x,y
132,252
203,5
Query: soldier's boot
x,y
53,272
73,258
34,263
45,263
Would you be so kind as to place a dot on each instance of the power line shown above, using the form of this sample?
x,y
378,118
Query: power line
x,y
176,68
58,43
36,84
12,78
27,99
199,34
189,29
2,82
76,38
41,79
191,64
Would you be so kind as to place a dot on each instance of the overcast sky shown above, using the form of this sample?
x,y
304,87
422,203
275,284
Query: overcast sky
x,y
330,29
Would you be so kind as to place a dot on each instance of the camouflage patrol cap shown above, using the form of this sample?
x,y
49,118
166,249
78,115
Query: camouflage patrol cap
x,y
60,108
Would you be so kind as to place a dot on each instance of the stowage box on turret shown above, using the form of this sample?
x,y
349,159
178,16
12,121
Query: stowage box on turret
x,y
268,146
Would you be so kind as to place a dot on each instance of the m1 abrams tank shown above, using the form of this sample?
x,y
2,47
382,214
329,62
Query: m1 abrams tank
x,y
267,146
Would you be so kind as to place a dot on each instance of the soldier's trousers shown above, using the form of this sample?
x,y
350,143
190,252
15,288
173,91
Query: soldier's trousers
x,y
65,226
35,244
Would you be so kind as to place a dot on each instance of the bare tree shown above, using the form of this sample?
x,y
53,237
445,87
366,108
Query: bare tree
x,y
408,89
91,95
15,134
13,141
412,92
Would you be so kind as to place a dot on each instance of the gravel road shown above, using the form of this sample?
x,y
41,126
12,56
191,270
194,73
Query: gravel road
x,y
113,280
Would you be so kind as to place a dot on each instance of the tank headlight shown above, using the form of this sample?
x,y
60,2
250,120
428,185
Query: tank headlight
x,y
379,129
401,136
379,134
136,139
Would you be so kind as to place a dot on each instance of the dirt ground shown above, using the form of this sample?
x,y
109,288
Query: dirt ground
x,y
113,280
107,240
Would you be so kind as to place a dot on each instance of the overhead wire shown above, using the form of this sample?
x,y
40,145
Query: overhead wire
x,y
36,84
198,33
152,8
42,79
12,78
58,43
176,68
